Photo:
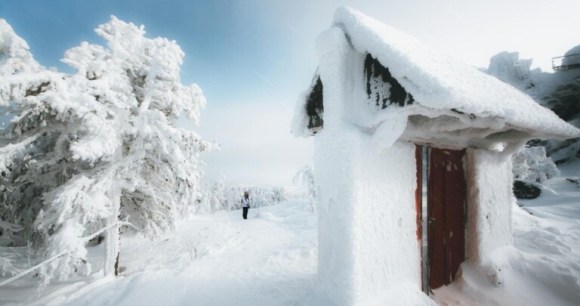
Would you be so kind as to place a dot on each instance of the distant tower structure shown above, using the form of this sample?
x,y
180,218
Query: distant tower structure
x,y
564,98
571,60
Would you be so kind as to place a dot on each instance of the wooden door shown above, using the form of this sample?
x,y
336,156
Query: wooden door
x,y
446,200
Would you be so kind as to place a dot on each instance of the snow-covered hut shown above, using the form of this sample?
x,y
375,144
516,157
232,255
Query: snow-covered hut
x,y
391,118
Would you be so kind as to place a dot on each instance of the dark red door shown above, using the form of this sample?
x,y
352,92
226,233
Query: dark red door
x,y
446,194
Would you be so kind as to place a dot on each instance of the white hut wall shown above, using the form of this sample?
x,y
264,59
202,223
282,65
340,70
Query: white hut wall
x,y
334,171
367,217
385,242
490,200
335,146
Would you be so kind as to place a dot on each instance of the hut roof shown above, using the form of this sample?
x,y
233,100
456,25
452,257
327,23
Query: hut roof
x,y
438,82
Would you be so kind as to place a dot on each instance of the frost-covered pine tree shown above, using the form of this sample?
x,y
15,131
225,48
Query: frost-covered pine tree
x,y
106,139
217,197
305,179
222,195
532,165
29,166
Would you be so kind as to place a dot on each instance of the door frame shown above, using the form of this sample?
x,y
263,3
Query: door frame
x,y
442,172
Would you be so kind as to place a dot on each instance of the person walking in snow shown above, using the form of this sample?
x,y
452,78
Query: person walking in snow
x,y
246,204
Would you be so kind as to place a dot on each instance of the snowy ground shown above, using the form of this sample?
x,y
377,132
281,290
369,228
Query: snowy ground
x,y
219,259
271,259
543,267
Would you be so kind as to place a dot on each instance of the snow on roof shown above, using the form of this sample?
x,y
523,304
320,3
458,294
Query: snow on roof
x,y
439,82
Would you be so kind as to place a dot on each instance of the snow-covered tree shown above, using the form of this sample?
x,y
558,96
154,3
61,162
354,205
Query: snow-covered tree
x,y
261,197
511,69
223,195
100,145
532,165
6,261
305,179
29,165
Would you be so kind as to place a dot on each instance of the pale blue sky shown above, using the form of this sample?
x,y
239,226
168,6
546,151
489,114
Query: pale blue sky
x,y
228,44
253,57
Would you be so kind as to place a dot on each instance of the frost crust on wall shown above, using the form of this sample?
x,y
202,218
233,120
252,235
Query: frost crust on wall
x,y
382,87
309,110
367,241
334,146
384,219
335,228
490,199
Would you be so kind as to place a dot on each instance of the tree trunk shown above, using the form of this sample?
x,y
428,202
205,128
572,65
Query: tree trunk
x,y
113,238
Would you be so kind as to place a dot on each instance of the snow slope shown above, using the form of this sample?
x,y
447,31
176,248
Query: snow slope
x,y
218,259
271,259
